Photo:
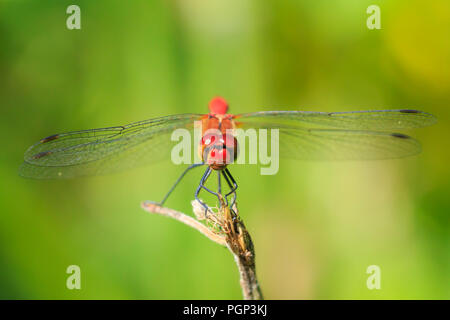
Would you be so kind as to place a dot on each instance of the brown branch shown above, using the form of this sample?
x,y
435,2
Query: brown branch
x,y
188,220
224,227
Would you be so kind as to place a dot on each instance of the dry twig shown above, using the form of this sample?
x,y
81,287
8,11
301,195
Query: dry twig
x,y
225,228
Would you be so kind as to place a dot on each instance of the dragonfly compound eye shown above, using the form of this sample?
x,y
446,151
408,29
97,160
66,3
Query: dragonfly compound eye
x,y
209,139
220,155
217,158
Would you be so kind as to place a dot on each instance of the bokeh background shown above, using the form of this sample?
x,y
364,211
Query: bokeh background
x,y
316,226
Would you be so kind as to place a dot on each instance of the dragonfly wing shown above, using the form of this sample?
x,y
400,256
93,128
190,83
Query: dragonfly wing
x,y
104,150
356,120
335,144
358,135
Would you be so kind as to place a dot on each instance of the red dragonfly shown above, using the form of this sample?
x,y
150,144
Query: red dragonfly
x,y
356,135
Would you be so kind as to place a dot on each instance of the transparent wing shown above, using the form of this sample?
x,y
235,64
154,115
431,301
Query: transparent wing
x,y
376,120
335,144
359,135
104,150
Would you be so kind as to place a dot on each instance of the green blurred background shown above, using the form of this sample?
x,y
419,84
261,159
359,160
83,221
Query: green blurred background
x,y
316,226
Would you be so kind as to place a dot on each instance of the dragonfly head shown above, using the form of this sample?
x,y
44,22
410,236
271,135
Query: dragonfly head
x,y
218,105
218,149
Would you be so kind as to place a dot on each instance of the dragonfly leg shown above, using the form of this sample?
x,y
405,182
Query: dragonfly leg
x,y
178,181
202,185
232,184
219,184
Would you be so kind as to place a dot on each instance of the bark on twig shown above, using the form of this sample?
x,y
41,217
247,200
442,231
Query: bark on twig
x,y
188,220
225,228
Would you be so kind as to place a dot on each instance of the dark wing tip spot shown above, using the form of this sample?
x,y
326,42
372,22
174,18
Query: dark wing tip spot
x,y
409,111
400,135
50,138
41,154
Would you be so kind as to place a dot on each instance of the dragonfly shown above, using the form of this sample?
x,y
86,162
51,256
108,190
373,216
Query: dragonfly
x,y
303,135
